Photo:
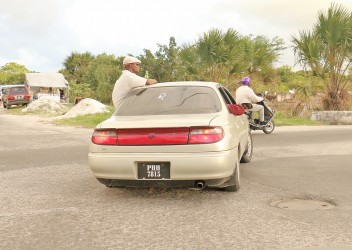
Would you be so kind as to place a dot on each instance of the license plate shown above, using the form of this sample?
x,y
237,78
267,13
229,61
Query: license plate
x,y
153,170
19,97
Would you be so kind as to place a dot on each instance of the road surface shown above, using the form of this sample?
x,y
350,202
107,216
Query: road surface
x,y
49,199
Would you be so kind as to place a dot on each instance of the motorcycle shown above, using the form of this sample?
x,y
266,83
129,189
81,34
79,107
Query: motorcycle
x,y
269,114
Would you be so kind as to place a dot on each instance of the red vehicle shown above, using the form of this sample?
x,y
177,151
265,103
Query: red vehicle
x,y
15,95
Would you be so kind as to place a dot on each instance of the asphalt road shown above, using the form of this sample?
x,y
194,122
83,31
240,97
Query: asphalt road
x,y
50,200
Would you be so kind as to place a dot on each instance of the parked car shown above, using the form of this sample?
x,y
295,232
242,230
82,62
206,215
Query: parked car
x,y
2,88
15,95
1,93
178,134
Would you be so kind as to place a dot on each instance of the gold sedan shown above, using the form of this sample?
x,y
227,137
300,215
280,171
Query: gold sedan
x,y
176,134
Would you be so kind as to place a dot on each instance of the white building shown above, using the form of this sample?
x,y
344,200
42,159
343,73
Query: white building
x,y
47,86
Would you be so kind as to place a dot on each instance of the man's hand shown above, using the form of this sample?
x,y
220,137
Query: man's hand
x,y
151,81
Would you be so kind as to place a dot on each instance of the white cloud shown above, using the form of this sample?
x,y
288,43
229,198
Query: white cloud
x,y
42,33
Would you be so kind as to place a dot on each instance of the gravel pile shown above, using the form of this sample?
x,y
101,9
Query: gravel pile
x,y
46,106
84,107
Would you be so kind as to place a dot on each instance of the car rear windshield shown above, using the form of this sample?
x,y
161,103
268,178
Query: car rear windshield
x,y
18,91
170,100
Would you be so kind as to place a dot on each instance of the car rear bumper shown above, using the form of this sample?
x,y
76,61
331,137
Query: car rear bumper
x,y
213,168
18,102
165,183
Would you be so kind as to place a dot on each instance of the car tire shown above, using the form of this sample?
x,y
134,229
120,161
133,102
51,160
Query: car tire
x,y
247,154
235,179
269,128
8,106
4,105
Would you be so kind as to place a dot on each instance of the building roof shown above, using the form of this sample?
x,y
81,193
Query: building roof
x,y
47,80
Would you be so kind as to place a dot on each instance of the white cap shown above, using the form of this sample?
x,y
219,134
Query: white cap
x,y
130,59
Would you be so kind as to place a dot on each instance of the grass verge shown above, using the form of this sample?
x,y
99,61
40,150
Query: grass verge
x,y
282,119
84,121
90,121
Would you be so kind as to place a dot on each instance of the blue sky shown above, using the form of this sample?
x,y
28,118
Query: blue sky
x,y
40,34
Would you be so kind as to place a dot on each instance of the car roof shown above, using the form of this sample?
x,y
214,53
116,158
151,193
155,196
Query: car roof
x,y
12,85
187,83
16,85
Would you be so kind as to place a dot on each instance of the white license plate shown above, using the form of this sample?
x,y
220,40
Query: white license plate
x,y
19,97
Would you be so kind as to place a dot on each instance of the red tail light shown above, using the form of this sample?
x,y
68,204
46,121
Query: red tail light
x,y
158,136
27,97
199,135
10,97
104,137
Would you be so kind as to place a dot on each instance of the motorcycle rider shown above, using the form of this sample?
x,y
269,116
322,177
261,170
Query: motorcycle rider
x,y
244,94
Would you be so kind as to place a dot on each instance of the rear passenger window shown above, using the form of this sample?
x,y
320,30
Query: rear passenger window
x,y
18,91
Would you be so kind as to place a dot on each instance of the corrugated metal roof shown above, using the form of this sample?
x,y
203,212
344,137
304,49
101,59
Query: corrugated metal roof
x,y
47,80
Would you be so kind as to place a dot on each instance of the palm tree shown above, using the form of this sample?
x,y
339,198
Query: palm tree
x,y
260,55
327,51
214,56
76,66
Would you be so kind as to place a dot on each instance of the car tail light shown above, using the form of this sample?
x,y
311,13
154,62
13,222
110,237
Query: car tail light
x,y
104,137
157,136
199,135
27,97
10,97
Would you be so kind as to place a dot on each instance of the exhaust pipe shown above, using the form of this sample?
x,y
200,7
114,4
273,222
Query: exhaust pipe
x,y
199,184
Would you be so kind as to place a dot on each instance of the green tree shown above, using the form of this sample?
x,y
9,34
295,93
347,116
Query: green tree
x,y
227,56
327,51
12,73
101,76
76,65
285,74
215,56
260,55
163,64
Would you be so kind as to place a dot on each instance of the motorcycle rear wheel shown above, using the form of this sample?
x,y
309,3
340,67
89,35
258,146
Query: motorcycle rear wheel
x,y
269,128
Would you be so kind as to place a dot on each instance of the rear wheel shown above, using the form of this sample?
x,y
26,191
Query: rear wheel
x,y
247,155
8,106
234,179
269,128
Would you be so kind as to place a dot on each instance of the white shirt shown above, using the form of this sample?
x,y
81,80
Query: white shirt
x,y
245,94
124,85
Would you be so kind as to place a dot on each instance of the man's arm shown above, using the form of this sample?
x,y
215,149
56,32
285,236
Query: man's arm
x,y
150,81
254,98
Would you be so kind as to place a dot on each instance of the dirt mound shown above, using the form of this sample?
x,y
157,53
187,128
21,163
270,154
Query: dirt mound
x,y
46,106
85,107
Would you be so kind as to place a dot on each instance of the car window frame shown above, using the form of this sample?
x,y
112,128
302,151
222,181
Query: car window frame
x,y
226,95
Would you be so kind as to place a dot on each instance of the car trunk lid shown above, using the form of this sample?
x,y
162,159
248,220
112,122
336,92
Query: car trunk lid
x,y
132,131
